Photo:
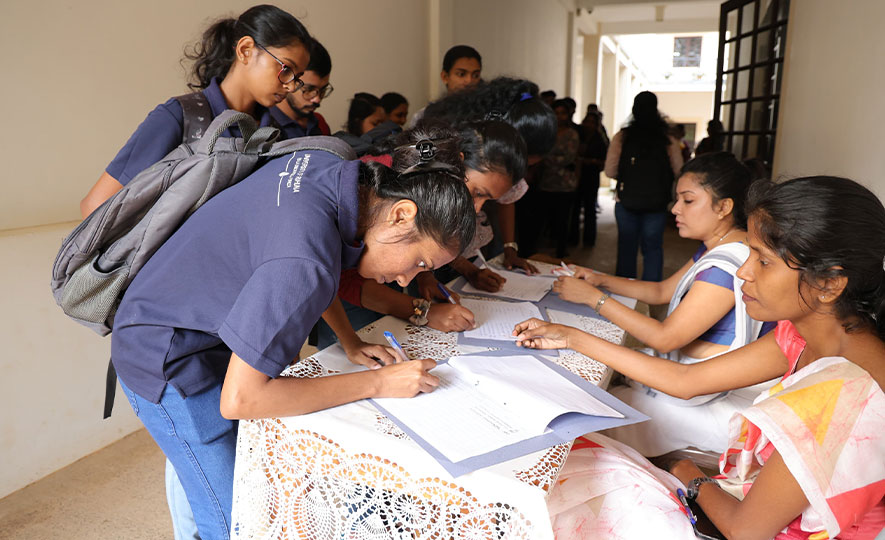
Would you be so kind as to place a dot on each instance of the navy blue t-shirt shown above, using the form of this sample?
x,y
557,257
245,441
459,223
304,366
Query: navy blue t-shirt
x,y
250,272
160,133
290,129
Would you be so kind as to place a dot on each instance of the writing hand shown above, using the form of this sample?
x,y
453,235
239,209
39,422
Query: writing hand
x,y
370,354
406,379
576,290
447,317
486,280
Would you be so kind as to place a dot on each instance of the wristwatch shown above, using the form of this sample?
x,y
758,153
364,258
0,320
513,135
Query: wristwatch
x,y
695,485
421,308
511,245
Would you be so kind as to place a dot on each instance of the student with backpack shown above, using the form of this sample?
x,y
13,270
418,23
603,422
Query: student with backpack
x,y
248,64
645,160
223,307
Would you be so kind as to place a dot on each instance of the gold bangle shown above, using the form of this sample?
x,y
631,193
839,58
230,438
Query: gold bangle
x,y
601,302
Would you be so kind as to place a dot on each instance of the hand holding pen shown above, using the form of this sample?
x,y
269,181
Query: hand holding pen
x,y
445,292
396,346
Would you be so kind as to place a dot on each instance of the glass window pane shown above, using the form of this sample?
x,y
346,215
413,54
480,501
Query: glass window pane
x,y
762,81
776,73
783,9
727,81
737,146
725,117
731,24
764,46
758,115
772,118
748,22
740,117
780,41
743,84
732,56
753,146
766,12
746,51
727,49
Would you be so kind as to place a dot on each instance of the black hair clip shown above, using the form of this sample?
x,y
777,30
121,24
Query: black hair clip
x,y
426,150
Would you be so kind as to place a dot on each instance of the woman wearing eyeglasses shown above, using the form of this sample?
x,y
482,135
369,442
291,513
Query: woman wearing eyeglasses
x,y
248,64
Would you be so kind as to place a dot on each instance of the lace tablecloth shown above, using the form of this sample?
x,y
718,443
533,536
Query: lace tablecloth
x,y
350,473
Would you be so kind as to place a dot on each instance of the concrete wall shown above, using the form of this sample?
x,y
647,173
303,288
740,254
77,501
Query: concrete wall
x,y
78,78
523,38
832,110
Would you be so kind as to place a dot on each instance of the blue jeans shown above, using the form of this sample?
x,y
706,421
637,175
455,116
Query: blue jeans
x,y
643,230
201,444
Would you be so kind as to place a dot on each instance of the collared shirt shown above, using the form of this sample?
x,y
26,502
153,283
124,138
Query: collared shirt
x,y
161,132
250,272
291,129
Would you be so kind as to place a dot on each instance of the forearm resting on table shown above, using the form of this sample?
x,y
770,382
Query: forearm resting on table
x,y
650,292
648,330
760,361
464,267
249,394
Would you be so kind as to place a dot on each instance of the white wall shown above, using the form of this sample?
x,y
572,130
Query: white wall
x,y
832,111
523,38
78,77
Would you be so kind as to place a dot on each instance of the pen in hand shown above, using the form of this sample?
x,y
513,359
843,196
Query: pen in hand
x,y
445,292
396,346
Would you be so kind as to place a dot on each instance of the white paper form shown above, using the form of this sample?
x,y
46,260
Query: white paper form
x,y
484,403
495,320
518,287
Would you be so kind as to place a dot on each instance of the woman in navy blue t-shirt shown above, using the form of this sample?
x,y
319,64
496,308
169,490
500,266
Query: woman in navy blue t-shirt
x,y
248,64
225,305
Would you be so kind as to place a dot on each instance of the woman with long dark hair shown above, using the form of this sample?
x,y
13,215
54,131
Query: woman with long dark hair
x,y
645,160
805,460
248,64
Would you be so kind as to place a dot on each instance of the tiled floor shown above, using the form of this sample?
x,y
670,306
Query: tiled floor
x,y
118,493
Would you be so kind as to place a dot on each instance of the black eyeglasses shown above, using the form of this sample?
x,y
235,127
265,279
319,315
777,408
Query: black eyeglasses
x,y
285,75
310,91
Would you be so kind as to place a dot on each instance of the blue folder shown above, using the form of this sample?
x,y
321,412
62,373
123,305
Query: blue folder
x,y
564,428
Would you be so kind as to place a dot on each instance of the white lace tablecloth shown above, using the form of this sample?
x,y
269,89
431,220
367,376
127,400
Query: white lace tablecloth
x,y
350,473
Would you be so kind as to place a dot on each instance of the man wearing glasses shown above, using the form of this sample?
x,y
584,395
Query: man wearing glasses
x,y
296,115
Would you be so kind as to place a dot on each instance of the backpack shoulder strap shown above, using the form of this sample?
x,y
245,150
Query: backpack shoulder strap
x,y
196,116
332,145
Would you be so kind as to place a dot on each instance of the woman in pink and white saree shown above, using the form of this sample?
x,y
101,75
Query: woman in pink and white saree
x,y
807,459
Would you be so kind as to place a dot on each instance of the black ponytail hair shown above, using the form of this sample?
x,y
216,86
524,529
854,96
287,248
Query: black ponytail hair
x,y
362,106
214,55
514,101
826,226
445,207
725,178
486,146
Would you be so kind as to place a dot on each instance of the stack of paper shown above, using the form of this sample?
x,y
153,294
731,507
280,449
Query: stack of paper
x,y
518,287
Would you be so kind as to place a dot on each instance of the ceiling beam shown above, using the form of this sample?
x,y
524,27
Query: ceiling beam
x,y
663,27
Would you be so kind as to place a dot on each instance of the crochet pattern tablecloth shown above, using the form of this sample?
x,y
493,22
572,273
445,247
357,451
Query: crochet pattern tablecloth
x,y
350,473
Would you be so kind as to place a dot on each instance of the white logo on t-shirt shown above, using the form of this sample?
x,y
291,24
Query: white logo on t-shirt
x,y
293,173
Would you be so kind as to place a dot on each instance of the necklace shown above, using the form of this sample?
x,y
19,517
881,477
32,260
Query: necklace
x,y
721,238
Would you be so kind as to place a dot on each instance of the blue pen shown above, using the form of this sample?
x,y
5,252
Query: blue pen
x,y
445,293
395,344
684,501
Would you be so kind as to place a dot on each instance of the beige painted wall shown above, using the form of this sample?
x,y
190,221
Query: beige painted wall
x,y
832,111
92,70
524,38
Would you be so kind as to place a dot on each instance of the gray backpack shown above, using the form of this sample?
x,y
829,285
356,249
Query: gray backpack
x,y
99,259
